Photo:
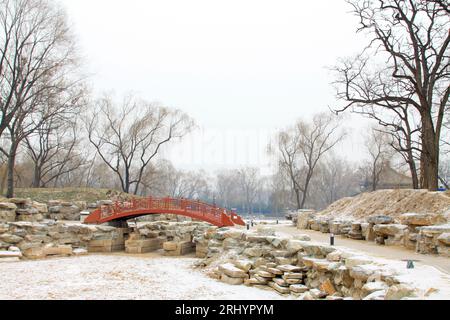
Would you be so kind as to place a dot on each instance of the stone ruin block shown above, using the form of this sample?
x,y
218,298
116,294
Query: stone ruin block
x,y
178,248
421,219
434,240
303,218
380,219
142,246
356,232
106,245
390,234
7,212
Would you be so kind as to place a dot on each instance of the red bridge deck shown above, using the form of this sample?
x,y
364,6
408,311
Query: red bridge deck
x,y
141,207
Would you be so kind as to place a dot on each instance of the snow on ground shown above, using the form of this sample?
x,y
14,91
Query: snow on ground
x,y
425,278
117,277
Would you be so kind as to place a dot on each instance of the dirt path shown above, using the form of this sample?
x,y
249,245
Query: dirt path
x,y
370,248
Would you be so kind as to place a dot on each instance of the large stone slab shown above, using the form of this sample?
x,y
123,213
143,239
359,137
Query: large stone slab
x,y
303,218
58,251
232,271
183,248
421,219
232,281
444,238
298,288
7,215
244,265
390,229
380,219
8,206
10,254
170,246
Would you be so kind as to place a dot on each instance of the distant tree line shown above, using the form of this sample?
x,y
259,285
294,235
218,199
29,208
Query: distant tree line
x,y
55,133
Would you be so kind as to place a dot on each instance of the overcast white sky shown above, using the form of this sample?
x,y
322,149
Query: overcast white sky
x,y
242,69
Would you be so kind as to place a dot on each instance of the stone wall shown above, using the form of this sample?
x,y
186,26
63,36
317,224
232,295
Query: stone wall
x,y
296,267
36,240
423,233
12,210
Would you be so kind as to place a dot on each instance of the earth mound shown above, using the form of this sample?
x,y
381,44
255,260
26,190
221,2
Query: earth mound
x,y
391,203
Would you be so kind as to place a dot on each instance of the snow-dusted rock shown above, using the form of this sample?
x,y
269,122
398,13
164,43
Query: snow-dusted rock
x,y
398,292
380,219
231,271
421,219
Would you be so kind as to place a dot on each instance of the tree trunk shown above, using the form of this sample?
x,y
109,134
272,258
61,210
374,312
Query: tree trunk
x,y
430,150
11,165
36,177
297,198
305,190
4,172
413,170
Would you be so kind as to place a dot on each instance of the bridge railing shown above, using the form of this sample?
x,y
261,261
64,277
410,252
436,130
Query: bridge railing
x,y
192,206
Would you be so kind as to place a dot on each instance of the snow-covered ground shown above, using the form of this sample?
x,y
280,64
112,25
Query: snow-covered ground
x,y
117,277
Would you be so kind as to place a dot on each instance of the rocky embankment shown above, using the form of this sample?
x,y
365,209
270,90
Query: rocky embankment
x,y
297,267
426,233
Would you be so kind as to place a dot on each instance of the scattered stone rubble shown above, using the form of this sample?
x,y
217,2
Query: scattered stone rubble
x,y
297,267
424,233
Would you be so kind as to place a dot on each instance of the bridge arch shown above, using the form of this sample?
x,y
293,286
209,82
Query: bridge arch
x,y
122,211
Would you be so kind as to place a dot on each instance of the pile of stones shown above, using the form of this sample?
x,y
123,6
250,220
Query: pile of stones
x,y
296,267
434,239
64,210
22,210
26,210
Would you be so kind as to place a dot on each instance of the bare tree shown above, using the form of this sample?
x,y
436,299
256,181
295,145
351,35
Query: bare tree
x,y
37,65
336,178
403,127
227,189
280,198
301,147
64,105
380,155
55,152
128,137
249,181
412,40
3,172
187,185
444,173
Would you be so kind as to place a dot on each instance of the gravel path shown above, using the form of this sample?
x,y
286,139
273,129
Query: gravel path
x,y
117,277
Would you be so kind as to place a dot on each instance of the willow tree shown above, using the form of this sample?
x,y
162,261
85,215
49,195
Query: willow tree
x,y
301,147
129,135
406,63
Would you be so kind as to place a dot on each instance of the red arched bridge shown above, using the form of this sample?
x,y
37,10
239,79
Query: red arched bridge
x,y
122,211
